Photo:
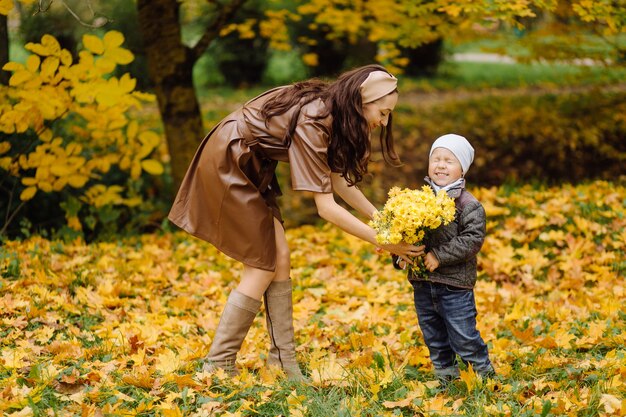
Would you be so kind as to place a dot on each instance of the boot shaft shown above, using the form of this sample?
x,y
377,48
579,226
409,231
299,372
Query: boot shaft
x,y
279,318
236,319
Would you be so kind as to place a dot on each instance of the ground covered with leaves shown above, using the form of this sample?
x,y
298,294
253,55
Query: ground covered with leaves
x,y
120,328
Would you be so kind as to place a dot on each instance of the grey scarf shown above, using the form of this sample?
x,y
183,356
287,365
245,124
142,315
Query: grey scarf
x,y
453,189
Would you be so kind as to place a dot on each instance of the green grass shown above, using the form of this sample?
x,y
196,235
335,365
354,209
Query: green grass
x,y
479,75
513,44
451,76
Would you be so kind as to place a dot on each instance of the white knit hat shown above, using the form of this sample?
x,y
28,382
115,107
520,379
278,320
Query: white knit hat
x,y
459,146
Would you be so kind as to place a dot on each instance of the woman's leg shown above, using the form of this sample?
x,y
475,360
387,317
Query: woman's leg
x,y
279,312
243,305
235,321
254,281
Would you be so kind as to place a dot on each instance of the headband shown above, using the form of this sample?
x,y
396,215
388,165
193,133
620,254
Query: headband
x,y
377,84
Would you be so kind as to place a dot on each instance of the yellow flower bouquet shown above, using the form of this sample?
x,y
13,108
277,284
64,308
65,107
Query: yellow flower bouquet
x,y
408,215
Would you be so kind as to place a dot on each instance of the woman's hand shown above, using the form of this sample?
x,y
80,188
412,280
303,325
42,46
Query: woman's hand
x,y
405,251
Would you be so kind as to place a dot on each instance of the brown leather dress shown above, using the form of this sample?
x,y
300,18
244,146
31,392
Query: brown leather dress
x,y
228,196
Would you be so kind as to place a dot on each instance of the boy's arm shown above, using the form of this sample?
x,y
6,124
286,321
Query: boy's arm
x,y
469,241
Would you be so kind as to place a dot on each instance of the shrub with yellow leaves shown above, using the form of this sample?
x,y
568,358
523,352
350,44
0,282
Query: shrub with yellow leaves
x,y
66,130
408,215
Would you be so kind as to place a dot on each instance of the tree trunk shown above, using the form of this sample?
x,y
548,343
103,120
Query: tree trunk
x,y
4,49
170,65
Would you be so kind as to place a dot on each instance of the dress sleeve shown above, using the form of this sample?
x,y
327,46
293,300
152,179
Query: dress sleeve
x,y
308,156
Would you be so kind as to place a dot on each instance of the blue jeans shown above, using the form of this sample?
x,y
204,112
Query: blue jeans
x,y
447,317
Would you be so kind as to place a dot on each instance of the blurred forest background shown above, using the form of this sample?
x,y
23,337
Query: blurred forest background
x,y
104,102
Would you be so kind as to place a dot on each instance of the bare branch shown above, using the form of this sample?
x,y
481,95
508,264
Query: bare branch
x,y
42,9
98,22
93,14
11,215
226,14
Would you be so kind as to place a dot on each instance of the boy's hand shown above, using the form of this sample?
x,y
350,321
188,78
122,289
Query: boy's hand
x,y
431,262
402,263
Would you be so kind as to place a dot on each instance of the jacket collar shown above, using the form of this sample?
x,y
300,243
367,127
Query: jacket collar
x,y
453,190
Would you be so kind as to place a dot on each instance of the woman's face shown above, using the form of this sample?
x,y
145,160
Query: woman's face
x,y
443,167
377,112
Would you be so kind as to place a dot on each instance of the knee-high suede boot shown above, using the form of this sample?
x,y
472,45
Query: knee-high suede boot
x,y
279,317
235,322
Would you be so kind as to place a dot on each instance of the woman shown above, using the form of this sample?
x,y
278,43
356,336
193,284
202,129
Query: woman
x,y
228,196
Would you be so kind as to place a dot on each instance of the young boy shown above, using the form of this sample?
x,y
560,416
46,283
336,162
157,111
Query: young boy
x,y
444,301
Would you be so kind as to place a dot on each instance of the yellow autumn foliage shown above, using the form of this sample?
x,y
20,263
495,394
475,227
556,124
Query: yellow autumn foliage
x,y
66,123
120,328
7,5
406,23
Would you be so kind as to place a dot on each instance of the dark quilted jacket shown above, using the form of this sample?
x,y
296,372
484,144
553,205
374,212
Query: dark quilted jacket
x,y
457,244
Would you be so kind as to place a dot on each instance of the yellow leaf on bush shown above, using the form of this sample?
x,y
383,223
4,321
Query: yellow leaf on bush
x,y
144,152
147,97
74,223
149,138
49,67
93,44
28,193
118,123
310,59
120,56
5,163
45,186
59,184
125,163
6,6
132,129
86,60
66,57
152,166
61,170
13,66
32,63
48,46
43,172
113,39
20,77
135,169
127,84
77,181
74,148
105,64
29,181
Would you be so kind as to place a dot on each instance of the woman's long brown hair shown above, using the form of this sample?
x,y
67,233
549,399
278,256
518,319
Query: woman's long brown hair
x,y
349,149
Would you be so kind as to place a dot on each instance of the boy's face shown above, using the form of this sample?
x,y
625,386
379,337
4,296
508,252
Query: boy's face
x,y
443,167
